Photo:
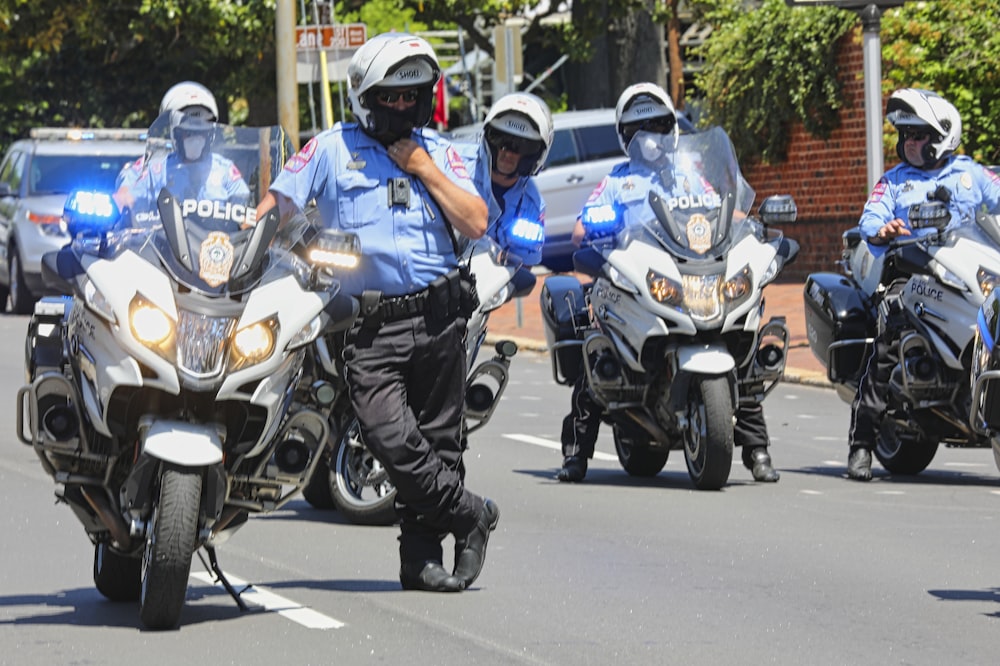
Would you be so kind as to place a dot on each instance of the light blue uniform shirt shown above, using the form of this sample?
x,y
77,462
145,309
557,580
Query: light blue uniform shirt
x,y
189,180
522,200
347,172
629,187
970,184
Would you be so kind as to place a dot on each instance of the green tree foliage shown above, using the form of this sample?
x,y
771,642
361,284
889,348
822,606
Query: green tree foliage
x,y
951,47
108,62
767,68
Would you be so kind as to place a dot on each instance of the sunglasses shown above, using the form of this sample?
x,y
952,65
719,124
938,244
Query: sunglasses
x,y
658,125
515,144
915,135
386,97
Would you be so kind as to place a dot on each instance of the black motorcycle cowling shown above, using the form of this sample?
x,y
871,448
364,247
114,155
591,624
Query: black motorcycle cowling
x,y
564,310
839,324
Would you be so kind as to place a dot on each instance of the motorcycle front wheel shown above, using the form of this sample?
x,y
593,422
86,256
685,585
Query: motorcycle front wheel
x,y
361,489
634,453
166,562
903,455
708,441
116,576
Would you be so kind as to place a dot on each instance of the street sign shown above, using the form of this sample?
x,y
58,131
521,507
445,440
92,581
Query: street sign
x,y
330,37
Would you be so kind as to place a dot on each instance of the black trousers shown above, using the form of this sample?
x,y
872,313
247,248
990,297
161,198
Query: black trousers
x,y
869,401
407,387
581,425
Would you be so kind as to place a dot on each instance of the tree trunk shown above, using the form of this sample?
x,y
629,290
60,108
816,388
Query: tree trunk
x,y
626,49
676,71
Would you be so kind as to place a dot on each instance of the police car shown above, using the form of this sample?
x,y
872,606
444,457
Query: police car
x,y
36,175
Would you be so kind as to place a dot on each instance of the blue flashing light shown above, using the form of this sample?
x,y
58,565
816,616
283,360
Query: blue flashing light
x,y
601,221
90,212
528,231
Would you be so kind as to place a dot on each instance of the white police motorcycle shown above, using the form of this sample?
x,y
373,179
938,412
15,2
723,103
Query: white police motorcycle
x,y
161,394
926,290
351,479
668,337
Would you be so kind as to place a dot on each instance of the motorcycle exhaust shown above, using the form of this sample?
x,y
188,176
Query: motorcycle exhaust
x,y
115,524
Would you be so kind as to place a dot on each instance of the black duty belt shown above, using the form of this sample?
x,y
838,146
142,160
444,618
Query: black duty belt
x,y
392,308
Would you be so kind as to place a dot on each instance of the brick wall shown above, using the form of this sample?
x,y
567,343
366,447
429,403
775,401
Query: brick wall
x,y
826,178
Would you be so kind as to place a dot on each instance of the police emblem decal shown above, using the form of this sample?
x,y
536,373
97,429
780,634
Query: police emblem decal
x,y
699,233
216,259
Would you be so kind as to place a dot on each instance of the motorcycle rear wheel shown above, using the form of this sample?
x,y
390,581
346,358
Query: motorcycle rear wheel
x,y
116,576
361,490
166,562
906,456
708,441
634,453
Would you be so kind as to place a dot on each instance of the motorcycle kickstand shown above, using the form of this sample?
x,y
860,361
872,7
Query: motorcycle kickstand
x,y
213,566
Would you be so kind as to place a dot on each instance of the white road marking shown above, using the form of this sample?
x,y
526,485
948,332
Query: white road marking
x,y
538,441
259,596
966,464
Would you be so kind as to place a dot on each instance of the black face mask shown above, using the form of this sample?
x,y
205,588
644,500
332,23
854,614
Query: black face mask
x,y
390,125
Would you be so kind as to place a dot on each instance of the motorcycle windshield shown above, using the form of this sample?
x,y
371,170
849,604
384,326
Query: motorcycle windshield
x,y
193,203
694,199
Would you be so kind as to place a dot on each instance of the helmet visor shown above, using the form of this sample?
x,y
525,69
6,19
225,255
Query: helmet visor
x,y
499,140
657,125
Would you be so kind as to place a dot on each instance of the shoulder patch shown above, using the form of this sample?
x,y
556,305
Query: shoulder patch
x,y
299,160
877,192
456,164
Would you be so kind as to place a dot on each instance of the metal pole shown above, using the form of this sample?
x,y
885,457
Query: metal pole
x,y
871,24
287,80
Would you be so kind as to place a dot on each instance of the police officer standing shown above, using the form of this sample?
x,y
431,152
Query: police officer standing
x,y
405,192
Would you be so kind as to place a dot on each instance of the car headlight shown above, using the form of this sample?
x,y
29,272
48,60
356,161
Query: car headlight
x,y
254,343
663,289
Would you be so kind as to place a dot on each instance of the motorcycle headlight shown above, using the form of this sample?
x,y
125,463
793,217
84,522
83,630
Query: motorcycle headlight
x,y
701,296
254,343
738,287
663,289
987,280
150,325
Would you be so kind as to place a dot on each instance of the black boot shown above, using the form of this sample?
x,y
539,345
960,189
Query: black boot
x,y
429,576
758,461
859,463
573,470
470,551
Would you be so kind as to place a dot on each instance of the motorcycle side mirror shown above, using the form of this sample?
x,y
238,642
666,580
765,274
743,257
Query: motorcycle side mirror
x,y
929,215
89,213
778,209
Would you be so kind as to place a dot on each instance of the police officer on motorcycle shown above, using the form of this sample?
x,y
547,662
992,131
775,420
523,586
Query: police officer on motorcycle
x,y
188,97
646,107
929,131
404,191
515,141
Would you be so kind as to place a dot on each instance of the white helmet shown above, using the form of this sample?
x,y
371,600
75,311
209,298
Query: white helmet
x,y
392,60
521,121
912,107
640,103
186,95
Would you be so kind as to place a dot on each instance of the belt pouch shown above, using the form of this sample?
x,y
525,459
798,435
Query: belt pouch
x,y
438,298
371,313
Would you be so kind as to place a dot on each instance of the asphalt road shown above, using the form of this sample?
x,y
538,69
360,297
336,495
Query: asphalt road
x,y
813,570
